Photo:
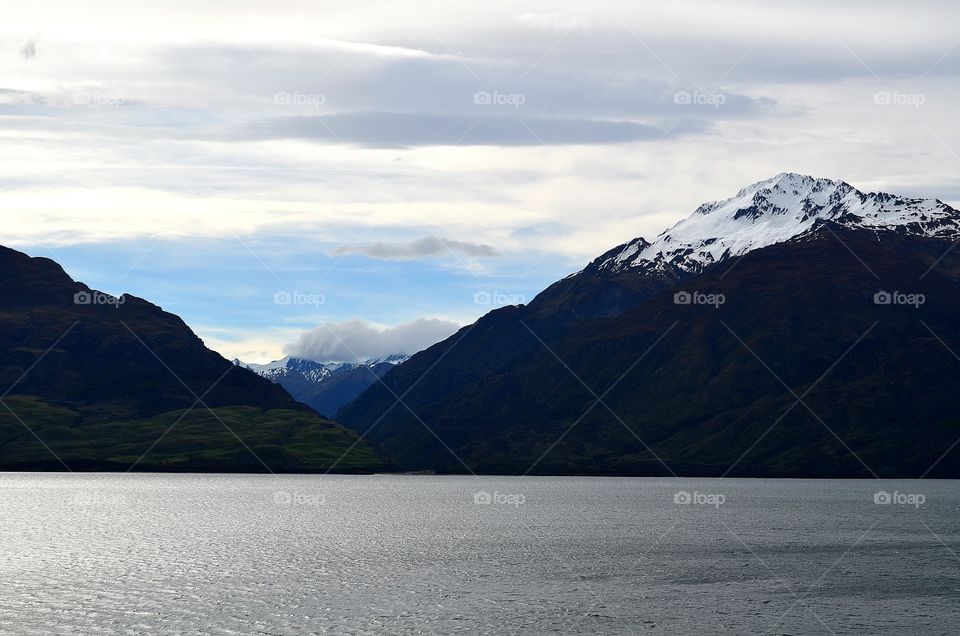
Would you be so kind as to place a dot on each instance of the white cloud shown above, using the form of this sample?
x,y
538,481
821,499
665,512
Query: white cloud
x,y
355,340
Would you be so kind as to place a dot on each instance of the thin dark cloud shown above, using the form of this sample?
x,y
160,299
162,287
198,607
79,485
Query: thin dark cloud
x,y
419,248
401,130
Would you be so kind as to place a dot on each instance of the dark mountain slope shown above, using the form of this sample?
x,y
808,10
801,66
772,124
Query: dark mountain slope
x,y
98,380
342,387
700,400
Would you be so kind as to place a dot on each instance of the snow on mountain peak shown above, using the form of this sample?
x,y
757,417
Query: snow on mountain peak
x,y
773,211
270,366
313,370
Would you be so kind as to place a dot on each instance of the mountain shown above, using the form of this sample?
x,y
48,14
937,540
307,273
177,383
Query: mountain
x,y
324,386
774,211
801,328
90,381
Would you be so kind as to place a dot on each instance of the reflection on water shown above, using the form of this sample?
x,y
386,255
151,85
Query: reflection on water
x,y
420,554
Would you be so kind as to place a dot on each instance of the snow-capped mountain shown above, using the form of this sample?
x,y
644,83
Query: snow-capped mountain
x,y
815,297
315,371
311,369
326,386
774,211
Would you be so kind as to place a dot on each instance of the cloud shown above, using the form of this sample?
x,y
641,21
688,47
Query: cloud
x,y
355,340
370,96
419,248
364,79
403,130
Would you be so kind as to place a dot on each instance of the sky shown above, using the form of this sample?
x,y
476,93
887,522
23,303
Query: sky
x,y
292,176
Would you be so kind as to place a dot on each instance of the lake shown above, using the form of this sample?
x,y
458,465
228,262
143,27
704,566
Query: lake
x,y
265,554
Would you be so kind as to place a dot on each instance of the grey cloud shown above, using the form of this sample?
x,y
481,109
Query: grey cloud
x,y
356,340
799,43
419,248
399,130
373,98
365,81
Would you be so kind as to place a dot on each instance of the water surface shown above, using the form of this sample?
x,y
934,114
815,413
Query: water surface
x,y
246,554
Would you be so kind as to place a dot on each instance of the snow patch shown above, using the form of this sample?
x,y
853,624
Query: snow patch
x,y
774,211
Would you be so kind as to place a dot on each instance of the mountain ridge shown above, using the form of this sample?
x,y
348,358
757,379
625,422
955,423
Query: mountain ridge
x,y
693,381
724,229
324,386
95,381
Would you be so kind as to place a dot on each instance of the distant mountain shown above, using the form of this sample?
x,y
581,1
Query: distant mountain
x,y
325,386
92,381
799,328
